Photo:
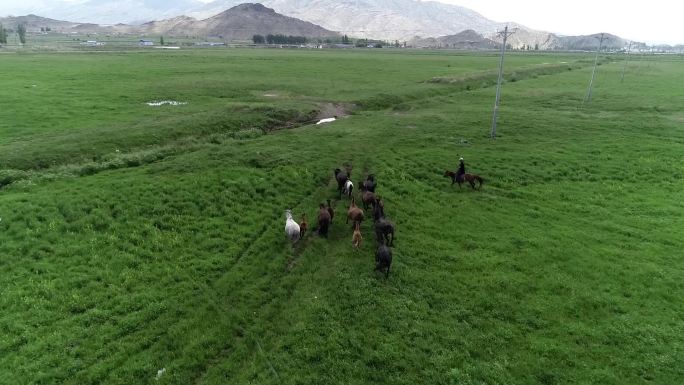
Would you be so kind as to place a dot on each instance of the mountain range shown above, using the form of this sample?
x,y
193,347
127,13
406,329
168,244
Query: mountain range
x,y
239,23
403,20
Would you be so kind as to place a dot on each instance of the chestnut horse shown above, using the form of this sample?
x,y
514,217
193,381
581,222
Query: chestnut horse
x,y
470,178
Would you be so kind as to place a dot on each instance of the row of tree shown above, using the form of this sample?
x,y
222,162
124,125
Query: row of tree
x,y
278,39
283,39
21,31
527,47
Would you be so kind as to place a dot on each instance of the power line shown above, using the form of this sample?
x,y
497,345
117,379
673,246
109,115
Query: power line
x,y
593,72
505,33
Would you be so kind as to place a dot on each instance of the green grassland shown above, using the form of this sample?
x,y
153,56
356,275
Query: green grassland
x,y
136,238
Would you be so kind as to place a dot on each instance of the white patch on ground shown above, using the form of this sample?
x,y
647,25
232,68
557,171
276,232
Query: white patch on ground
x,y
270,95
326,120
156,103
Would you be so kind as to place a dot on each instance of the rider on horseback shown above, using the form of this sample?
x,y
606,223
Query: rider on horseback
x,y
461,171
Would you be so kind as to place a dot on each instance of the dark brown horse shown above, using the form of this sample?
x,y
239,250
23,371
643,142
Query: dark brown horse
x,y
368,198
383,227
323,220
470,178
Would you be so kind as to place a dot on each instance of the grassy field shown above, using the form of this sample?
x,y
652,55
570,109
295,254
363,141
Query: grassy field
x,y
137,238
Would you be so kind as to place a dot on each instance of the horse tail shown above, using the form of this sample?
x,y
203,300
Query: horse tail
x,y
479,179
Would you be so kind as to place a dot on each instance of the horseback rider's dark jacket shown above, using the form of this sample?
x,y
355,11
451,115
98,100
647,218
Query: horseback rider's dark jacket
x,y
461,170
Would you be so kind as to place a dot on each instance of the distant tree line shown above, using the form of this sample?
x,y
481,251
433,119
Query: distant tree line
x,y
344,39
278,39
21,31
3,35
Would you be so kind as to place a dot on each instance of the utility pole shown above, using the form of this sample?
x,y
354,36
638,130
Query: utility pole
x,y
593,72
505,34
622,78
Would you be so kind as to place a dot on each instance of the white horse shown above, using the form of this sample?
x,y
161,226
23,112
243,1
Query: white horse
x,y
291,227
348,188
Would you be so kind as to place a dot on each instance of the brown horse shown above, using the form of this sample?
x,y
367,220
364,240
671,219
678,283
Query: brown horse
x,y
354,213
331,211
470,178
356,237
368,199
303,226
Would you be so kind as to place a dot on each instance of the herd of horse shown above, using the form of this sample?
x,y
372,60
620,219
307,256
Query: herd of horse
x,y
383,227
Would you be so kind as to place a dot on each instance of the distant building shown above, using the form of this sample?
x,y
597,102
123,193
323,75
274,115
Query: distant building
x,y
92,43
143,42
210,44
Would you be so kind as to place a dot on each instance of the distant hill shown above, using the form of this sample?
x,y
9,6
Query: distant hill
x,y
245,20
467,39
111,12
590,42
35,23
523,36
237,23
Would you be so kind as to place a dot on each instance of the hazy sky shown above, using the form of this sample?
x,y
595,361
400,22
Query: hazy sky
x,y
653,21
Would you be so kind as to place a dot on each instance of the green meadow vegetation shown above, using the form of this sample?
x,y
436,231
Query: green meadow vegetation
x,y
146,245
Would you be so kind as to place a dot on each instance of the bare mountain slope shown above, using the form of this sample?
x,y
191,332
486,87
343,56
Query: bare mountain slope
x,y
245,20
177,26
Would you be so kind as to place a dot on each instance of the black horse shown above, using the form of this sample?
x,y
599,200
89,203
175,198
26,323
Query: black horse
x,y
370,183
341,178
383,258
